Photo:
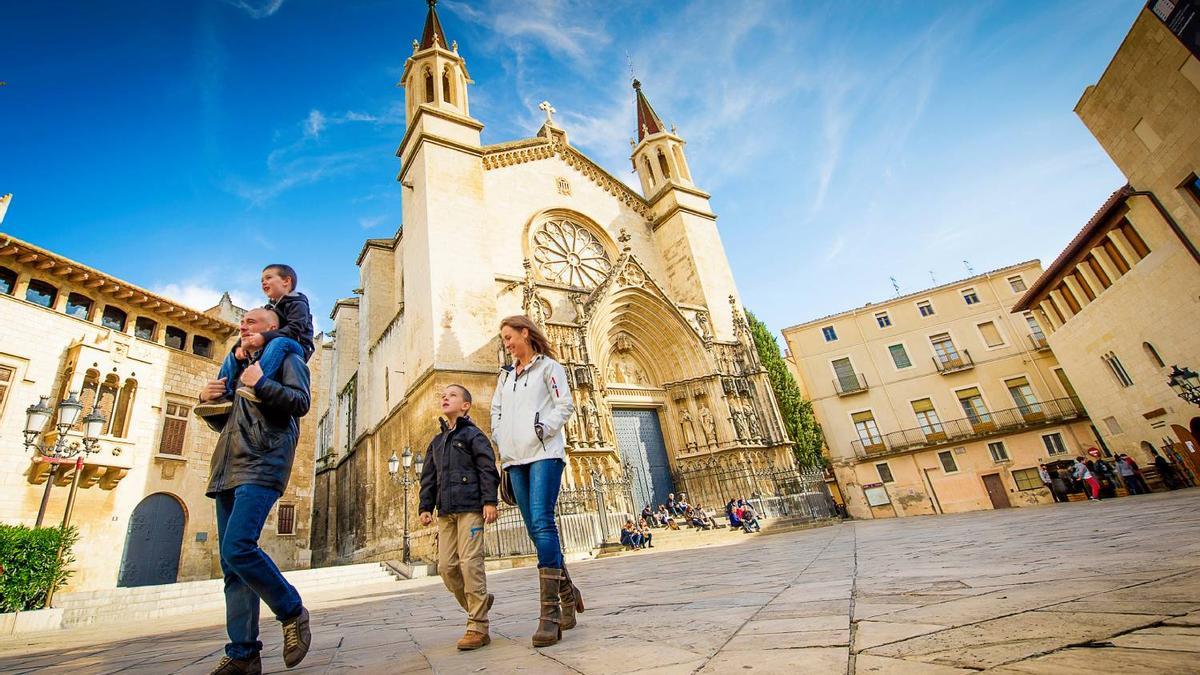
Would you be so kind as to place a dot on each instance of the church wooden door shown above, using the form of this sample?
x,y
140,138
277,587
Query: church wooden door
x,y
640,441
153,543
996,491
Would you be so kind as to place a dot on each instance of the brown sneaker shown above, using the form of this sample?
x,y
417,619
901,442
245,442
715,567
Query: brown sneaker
x,y
248,394
229,666
220,406
296,639
473,640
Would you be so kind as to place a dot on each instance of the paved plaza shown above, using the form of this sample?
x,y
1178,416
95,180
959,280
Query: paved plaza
x,y
1081,587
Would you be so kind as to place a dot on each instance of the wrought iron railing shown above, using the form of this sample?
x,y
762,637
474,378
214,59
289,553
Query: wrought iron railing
x,y
974,427
947,364
850,384
774,492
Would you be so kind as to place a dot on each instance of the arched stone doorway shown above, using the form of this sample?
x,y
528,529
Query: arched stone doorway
x,y
1188,449
643,347
153,542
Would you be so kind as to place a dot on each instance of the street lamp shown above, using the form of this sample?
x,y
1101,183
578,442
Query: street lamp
x,y
1186,384
60,451
408,478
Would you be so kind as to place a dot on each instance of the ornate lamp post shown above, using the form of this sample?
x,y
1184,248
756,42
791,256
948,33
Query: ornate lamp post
x,y
1186,384
408,478
61,452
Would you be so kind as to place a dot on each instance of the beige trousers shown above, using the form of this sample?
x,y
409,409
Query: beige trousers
x,y
460,562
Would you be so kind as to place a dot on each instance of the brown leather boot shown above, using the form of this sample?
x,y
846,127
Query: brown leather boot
x,y
549,630
570,598
473,640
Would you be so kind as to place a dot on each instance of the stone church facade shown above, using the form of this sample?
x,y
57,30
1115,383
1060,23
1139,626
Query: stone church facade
x,y
633,289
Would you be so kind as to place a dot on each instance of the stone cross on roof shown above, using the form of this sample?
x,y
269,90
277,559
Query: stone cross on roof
x,y
545,107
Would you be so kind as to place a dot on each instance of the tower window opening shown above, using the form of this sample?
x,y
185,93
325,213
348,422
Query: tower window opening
x,y
649,171
662,164
446,88
428,87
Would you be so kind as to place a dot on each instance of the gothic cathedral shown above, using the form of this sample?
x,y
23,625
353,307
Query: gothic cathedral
x,y
634,291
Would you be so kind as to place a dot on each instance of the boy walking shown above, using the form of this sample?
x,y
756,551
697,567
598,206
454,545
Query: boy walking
x,y
293,336
460,479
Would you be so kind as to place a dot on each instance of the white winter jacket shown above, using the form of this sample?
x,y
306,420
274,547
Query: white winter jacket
x,y
539,394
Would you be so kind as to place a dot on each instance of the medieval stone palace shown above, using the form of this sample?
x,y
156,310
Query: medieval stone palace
x,y
634,291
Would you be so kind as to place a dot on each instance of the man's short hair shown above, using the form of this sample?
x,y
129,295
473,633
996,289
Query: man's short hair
x,y
466,393
267,310
285,271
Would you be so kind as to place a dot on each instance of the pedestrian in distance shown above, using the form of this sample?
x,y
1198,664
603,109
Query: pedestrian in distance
x,y
1170,478
1084,475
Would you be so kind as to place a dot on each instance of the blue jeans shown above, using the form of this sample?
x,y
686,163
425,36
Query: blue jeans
x,y
270,359
249,573
535,487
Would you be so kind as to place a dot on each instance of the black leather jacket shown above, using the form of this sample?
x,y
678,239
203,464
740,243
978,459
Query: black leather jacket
x,y
258,440
460,473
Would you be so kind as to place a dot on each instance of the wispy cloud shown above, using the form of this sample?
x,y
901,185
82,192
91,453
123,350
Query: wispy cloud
x,y
371,222
286,175
314,124
257,10
202,295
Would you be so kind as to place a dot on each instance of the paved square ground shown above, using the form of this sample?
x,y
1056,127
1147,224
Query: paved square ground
x,y
1081,587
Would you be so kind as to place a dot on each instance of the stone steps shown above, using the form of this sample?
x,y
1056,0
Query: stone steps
x,y
151,602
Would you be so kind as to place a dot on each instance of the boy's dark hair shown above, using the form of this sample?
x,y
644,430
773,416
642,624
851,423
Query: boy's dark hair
x,y
466,394
285,271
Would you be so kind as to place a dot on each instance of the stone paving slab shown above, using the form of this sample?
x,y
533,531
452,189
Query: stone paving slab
x,y
1016,591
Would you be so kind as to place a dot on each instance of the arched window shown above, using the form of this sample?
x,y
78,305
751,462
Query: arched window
x,y
87,396
79,306
107,401
1153,354
446,87
202,346
1148,448
649,171
113,318
120,417
683,170
428,86
8,280
662,164
176,337
41,293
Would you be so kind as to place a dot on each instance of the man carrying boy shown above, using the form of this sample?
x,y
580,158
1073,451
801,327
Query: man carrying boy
x,y
294,335
460,479
249,471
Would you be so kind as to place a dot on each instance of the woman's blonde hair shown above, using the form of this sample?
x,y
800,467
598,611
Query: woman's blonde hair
x,y
537,339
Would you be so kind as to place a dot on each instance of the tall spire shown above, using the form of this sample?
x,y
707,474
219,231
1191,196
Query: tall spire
x,y
648,121
433,33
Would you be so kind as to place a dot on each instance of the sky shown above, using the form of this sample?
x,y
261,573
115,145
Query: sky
x,y
183,145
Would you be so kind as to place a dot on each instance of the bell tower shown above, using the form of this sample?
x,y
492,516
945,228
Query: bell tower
x,y
685,228
435,75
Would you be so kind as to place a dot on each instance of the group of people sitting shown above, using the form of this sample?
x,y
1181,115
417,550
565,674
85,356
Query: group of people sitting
x,y
741,514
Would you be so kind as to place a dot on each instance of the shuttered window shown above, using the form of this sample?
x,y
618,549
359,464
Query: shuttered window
x,y
899,356
287,519
6,380
972,404
927,417
991,334
174,429
868,431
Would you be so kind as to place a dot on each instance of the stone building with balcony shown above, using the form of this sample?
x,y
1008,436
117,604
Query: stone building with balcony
x,y
140,359
940,401
1120,303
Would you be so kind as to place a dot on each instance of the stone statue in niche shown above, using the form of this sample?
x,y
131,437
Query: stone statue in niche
x,y
585,414
755,425
708,424
739,423
689,429
702,323
577,301
594,426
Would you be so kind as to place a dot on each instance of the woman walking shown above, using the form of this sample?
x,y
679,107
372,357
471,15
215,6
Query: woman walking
x,y
529,410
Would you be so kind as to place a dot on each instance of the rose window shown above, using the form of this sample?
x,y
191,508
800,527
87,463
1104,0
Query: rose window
x,y
566,252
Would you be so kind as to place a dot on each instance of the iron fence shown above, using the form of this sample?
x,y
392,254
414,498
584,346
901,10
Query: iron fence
x,y
585,516
774,492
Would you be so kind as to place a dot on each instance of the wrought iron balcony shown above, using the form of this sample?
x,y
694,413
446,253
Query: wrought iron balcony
x,y
1039,342
992,423
850,384
947,365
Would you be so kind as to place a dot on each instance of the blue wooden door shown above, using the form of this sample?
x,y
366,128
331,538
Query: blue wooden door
x,y
153,542
640,442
